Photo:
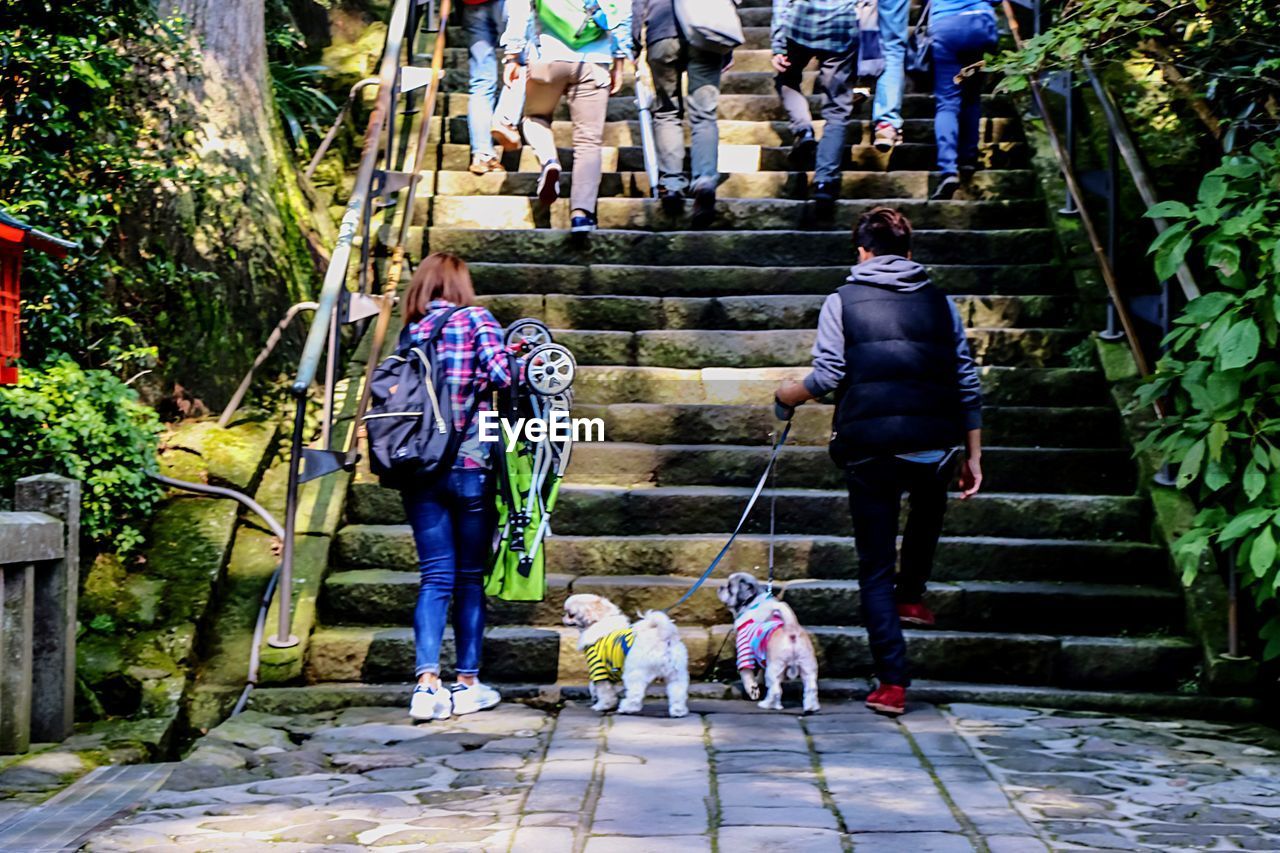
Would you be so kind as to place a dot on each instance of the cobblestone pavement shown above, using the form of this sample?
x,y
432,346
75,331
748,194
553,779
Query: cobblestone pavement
x,y
1092,781
727,777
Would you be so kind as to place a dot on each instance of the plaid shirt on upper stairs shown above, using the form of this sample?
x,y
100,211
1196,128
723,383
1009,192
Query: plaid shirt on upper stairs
x,y
474,359
830,25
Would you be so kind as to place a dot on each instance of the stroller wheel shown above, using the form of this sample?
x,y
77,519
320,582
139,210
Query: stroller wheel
x,y
550,370
535,332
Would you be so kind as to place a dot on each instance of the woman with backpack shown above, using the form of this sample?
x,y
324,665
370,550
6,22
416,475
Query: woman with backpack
x,y
452,515
578,53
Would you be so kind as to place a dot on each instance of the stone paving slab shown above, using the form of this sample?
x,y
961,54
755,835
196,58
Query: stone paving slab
x,y
964,778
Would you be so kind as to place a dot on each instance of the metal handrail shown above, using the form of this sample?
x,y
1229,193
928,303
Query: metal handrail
x,y
336,275
1077,193
380,146
1137,169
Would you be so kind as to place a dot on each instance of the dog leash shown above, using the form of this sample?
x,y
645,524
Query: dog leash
x,y
755,496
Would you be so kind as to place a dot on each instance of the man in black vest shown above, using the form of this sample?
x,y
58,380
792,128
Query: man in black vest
x,y
892,347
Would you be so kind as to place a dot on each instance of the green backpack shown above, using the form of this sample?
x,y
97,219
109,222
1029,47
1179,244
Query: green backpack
x,y
569,21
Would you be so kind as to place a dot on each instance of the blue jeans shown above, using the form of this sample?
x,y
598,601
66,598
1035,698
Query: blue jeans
x,y
452,529
959,40
893,42
484,25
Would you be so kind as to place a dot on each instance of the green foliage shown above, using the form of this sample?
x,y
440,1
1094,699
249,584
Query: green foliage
x,y
90,426
1227,52
304,108
1221,376
91,123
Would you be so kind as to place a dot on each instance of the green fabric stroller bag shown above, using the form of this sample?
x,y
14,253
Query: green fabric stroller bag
x,y
515,575
572,23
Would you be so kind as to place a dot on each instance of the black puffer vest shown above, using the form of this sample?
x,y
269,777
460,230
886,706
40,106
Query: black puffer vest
x,y
900,392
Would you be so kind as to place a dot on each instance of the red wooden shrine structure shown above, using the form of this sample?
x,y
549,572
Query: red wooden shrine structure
x,y
15,237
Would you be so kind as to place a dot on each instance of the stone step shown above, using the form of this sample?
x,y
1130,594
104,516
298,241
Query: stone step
x,y
338,695
600,510
748,313
382,653
860,131
379,654
705,348
1130,663
390,548
760,249
733,280
757,107
646,214
374,595
1012,469
657,423
456,157
889,186
1001,386
596,510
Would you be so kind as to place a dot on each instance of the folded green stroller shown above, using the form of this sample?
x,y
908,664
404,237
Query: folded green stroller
x,y
530,473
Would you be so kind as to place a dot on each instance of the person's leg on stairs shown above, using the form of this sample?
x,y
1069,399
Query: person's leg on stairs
x,y
875,498
588,96
835,80
926,507
665,66
887,107
787,83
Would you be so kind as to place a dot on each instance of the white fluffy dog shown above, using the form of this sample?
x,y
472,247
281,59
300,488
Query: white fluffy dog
x,y
627,656
768,633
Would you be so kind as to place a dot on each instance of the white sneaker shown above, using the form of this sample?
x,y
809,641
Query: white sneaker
x,y
428,704
469,698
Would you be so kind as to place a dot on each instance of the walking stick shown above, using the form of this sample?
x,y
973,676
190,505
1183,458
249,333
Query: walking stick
x,y
644,108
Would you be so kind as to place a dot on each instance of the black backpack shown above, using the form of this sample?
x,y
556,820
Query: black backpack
x,y
409,424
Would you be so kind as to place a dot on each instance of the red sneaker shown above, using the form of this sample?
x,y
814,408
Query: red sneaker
x,y
888,699
916,614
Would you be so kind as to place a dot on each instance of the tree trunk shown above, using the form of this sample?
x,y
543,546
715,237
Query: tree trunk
x,y
245,226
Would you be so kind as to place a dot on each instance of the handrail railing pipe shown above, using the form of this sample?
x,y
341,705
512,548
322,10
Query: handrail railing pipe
x,y
1086,220
322,336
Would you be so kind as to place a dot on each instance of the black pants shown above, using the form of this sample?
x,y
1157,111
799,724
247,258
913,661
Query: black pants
x,y
876,487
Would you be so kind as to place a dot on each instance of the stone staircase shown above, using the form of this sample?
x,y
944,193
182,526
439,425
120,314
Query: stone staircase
x,y
1047,580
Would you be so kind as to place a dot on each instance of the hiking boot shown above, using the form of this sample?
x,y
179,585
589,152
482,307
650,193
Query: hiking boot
x,y
429,703
549,183
803,148
824,200
946,188
888,699
704,207
483,164
505,136
469,698
887,137
916,614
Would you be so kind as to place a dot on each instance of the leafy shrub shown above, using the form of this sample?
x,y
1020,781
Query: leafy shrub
x,y
90,426
1221,376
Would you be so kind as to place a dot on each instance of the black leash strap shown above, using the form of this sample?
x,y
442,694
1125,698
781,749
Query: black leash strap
x,y
755,496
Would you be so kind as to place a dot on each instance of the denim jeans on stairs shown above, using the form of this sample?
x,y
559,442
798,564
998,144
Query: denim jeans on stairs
x,y
959,40
452,523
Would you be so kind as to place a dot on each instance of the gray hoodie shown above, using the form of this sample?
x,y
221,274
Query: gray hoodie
x,y
890,272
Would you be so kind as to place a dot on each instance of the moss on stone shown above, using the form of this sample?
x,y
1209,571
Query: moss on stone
x,y
310,560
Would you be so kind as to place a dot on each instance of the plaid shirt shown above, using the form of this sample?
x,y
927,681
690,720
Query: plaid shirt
x,y
830,25
474,359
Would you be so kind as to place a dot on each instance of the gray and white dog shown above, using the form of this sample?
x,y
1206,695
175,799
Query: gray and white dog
x,y
768,632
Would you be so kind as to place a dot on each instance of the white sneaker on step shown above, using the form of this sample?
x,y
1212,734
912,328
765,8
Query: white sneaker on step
x,y
469,698
428,704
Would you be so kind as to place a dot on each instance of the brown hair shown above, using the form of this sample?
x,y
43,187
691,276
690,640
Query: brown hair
x,y
883,231
440,276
